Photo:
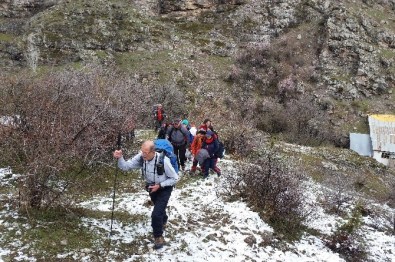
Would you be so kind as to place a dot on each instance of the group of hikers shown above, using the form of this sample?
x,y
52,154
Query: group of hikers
x,y
157,169
186,139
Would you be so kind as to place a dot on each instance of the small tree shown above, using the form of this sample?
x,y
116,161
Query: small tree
x,y
345,239
271,186
66,123
337,193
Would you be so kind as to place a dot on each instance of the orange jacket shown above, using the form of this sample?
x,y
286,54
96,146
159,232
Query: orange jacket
x,y
196,144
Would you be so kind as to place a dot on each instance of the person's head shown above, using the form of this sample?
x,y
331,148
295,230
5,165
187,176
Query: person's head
x,y
159,105
209,134
185,122
177,123
148,150
201,132
207,122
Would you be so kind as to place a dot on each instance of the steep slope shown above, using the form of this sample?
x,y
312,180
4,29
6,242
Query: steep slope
x,y
337,56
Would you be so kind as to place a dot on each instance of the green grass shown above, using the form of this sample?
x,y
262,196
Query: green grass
x,y
361,105
195,28
143,62
376,12
6,37
48,233
387,53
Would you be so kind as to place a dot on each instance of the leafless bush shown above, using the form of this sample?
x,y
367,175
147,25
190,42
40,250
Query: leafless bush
x,y
299,121
272,187
346,240
272,117
172,99
241,140
337,192
68,122
391,195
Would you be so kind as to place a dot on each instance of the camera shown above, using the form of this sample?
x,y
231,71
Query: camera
x,y
160,169
147,185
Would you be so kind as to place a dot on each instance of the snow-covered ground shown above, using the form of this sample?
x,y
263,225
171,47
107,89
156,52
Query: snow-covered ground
x,y
204,227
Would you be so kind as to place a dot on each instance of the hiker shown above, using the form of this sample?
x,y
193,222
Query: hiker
x,y
163,131
159,116
193,130
185,122
178,135
158,184
210,143
196,145
206,125
188,126
129,128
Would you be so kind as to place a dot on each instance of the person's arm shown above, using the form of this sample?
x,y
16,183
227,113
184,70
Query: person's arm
x,y
169,132
170,173
133,163
185,132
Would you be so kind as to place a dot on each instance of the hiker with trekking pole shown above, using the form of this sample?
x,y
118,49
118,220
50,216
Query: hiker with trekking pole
x,y
160,178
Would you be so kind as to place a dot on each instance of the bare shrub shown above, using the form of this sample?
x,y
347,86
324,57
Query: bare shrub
x,y
337,193
345,240
391,195
288,88
172,99
68,122
272,187
241,140
298,121
271,117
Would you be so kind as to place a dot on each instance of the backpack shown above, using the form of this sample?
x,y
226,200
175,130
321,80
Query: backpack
x,y
186,136
202,155
164,147
220,153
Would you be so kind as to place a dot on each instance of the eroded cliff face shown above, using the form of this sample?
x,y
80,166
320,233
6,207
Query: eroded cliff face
x,y
332,50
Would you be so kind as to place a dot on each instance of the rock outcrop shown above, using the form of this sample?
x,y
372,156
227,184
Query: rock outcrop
x,y
331,50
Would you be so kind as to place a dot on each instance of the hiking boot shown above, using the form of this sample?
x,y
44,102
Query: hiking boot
x,y
183,168
159,242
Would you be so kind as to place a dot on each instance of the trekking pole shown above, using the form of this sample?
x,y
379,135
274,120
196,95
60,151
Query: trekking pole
x,y
115,183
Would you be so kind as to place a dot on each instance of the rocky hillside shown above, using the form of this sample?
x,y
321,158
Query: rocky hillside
x,y
338,56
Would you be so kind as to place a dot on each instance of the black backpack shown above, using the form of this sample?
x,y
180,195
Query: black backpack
x,y
220,153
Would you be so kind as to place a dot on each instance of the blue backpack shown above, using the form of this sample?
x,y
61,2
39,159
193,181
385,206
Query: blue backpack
x,y
164,147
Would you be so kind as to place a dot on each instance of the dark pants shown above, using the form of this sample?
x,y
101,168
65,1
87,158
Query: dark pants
x,y
216,168
208,163
180,151
130,135
158,124
159,217
195,164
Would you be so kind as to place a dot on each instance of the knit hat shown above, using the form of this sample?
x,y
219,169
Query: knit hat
x,y
185,122
202,131
209,133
